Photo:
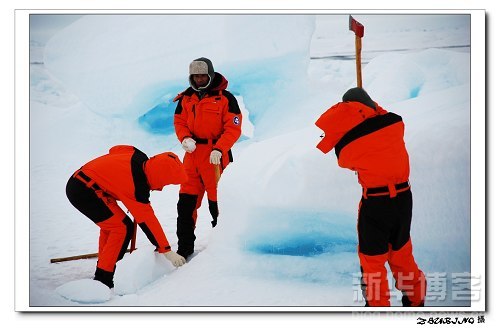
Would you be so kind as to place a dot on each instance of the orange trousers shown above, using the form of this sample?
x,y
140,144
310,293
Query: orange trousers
x,y
202,178
409,278
384,237
201,175
116,227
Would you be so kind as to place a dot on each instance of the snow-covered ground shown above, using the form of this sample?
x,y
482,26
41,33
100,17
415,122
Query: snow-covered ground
x,y
286,237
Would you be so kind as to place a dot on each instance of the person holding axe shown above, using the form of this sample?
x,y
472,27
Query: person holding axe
x,y
369,140
128,175
207,122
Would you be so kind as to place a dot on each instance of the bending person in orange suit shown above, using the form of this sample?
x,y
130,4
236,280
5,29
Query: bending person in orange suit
x,y
128,175
370,141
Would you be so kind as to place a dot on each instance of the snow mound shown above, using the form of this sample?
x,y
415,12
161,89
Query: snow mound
x,y
138,269
124,65
85,291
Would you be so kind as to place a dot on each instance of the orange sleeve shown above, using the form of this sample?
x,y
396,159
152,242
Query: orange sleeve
x,y
328,122
338,120
231,121
181,121
231,134
147,220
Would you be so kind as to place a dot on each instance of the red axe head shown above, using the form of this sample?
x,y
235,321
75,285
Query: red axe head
x,y
357,27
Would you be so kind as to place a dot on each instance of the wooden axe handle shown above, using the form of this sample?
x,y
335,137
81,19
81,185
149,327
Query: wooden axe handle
x,y
78,257
359,79
359,31
217,173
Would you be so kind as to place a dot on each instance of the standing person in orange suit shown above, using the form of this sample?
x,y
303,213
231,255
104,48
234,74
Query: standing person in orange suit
x,y
125,174
207,122
370,141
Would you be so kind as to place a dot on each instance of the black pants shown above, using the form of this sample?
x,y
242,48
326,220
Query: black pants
x,y
186,224
383,221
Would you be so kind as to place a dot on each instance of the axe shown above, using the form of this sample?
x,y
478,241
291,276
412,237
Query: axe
x,y
78,257
359,31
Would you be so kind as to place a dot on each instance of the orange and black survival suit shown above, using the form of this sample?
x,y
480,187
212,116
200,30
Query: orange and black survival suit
x,y
211,117
125,174
370,141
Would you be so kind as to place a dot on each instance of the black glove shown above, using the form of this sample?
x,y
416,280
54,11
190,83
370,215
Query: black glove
x,y
214,212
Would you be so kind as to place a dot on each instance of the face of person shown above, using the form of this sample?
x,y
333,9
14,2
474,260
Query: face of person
x,y
201,80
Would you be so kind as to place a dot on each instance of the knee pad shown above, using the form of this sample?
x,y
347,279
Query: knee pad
x,y
128,236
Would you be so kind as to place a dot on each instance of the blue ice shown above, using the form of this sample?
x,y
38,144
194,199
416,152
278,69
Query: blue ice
x,y
267,86
300,233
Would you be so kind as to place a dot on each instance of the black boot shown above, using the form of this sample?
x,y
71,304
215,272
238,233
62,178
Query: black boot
x,y
104,277
185,224
407,303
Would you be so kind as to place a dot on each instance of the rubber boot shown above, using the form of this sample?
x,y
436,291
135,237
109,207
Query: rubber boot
x,y
104,277
407,303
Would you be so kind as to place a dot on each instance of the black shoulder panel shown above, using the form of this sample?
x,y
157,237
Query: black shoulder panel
x,y
233,103
189,91
140,181
178,108
368,126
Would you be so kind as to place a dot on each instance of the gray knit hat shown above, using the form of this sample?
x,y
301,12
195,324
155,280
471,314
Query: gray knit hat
x,y
358,94
201,65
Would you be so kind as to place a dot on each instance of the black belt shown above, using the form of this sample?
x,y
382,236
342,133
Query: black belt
x,y
83,177
385,189
205,141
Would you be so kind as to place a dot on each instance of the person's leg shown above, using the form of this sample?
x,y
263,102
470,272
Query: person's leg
x,y
373,248
116,232
410,280
209,179
116,227
374,283
190,197
186,224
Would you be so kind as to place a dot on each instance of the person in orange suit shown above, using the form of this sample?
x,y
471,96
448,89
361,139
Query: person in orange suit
x,y
125,174
370,141
207,122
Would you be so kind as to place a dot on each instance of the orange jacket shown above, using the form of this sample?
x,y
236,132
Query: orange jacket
x,y
215,116
368,141
127,174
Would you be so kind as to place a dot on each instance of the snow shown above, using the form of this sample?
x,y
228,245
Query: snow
x,y
286,236
85,291
147,55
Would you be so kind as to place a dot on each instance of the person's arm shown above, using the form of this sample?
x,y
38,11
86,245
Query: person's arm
x,y
231,119
181,121
330,123
146,219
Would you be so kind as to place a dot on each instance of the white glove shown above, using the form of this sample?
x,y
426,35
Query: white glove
x,y
188,144
215,156
174,258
